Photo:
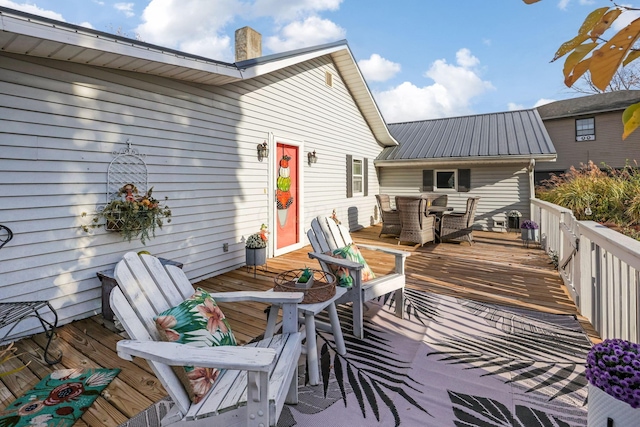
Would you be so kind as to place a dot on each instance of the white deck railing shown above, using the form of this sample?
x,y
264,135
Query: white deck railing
x,y
599,266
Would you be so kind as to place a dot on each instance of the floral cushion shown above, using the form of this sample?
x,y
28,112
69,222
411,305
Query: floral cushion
x,y
351,253
197,321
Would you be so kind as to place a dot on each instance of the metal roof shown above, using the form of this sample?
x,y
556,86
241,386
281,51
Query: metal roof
x,y
599,103
26,34
514,136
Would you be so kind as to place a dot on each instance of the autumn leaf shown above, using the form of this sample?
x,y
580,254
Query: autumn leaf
x,y
592,20
576,56
578,71
531,1
630,119
604,23
633,55
607,59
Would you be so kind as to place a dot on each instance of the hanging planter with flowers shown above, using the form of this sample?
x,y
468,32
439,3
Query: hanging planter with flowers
x,y
613,372
134,216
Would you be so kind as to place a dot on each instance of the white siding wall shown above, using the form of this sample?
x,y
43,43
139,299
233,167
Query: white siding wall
x,y
60,123
500,188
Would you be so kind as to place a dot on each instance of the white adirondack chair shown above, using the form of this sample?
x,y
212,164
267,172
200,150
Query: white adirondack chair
x,y
325,235
257,378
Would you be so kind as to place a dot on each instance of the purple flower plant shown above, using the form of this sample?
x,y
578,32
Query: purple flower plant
x,y
529,225
614,367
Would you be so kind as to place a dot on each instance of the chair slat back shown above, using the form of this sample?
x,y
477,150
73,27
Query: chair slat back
x,y
336,235
472,205
325,235
384,202
135,310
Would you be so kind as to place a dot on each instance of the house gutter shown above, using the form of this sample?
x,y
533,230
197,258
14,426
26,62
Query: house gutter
x,y
487,160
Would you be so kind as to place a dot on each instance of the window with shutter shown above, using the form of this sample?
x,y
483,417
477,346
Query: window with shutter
x,y
446,180
357,179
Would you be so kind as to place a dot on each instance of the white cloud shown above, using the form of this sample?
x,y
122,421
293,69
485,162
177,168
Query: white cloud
x,y
450,95
126,8
192,26
215,47
512,106
31,8
465,59
378,69
624,19
563,4
289,10
86,25
310,32
543,101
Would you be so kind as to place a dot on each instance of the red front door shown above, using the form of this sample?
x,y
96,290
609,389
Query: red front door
x,y
287,195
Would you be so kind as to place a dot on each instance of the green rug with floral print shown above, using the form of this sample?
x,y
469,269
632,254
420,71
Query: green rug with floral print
x,y
58,399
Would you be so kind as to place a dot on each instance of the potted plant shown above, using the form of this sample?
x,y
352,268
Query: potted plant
x,y
613,372
529,230
514,219
256,247
132,215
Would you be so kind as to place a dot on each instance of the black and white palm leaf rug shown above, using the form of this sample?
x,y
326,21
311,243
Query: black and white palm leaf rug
x,y
449,362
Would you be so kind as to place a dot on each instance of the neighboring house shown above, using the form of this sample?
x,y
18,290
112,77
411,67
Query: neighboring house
x,y
70,97
488,155
589,128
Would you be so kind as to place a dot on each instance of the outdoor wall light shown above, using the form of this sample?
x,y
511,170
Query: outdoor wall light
x,y
312,157
263,151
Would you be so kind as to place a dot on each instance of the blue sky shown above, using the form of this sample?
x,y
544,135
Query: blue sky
x,y
422,59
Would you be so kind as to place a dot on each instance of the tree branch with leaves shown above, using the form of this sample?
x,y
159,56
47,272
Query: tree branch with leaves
x,y
602,58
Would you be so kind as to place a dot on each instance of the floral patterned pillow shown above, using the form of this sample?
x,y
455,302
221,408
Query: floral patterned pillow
x,y
197,321
351,253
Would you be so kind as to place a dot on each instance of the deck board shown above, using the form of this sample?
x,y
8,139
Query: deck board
x,y
497,268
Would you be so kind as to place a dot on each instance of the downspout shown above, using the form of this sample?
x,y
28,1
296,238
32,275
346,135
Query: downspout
x,y
532,190
531,169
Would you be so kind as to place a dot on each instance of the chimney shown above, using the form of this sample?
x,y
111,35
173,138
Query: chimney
x,y
248,44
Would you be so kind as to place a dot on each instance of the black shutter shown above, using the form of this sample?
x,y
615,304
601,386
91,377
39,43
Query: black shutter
x,y
427,180
365,176
349,175
464,180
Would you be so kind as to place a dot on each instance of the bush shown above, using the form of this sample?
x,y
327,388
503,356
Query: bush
x,y
612,196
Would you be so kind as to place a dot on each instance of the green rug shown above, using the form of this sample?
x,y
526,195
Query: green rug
x,y
58,399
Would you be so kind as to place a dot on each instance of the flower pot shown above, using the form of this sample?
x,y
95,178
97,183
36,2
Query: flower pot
x,y
257,256
529,234
304,285
603,406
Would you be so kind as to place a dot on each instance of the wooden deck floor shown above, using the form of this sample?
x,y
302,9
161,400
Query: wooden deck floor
x,y
497,269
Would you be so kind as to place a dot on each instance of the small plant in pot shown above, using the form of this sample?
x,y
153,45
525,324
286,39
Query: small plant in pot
x,y
256,247
529,230
134,216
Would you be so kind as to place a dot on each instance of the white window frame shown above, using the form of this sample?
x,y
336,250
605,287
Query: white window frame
x,y
355,176
445,189
586,133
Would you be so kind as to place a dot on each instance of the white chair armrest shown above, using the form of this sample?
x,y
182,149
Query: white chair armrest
x,y
328,259
223,357
394,252
266,297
